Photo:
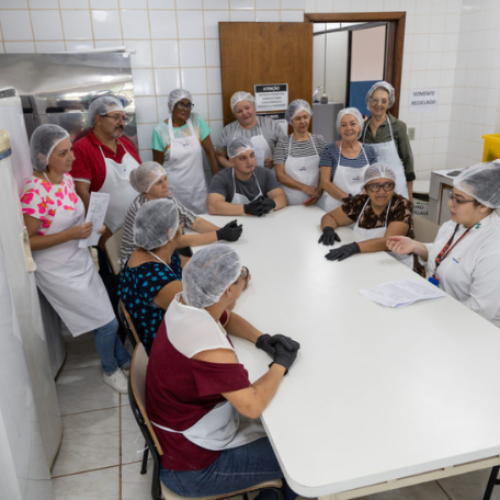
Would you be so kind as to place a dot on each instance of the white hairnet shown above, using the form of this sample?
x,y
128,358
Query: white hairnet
x,y
379,171
44,140
381,85
104,105
296,107
350,111
208,274
240,96
177,95
156,223
145,175
238,146
482,182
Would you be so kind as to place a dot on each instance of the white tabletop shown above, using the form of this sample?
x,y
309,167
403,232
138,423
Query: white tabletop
x,y
376,393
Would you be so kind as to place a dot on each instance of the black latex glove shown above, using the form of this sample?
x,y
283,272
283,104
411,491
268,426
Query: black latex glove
x,y
230,232
268,204
268,343
265,342
284,357
255,208
343,252
349,197
329,236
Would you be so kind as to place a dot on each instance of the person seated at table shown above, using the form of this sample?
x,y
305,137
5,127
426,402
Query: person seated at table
x,y
198,396
378,214
464,260
243,189
150,180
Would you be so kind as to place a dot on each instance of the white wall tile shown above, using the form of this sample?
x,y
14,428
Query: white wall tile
x,y
201,105
214,83
267,16
167,80
212,52
163,24
143,82
163,111
14,4
44,4
103,4
310,6
106,44
165,53
292,16
46,24
74,4
162,4
145,155
217,4
144,133
192,53
142,58
216,126
293,4
106,24
338,5
215,106
242,4
81,46
195,80
146,110
76,24
242,16
212,19
135,24
133,4
19,47
16,25
2,51
49,47
267,4
191,4
190,24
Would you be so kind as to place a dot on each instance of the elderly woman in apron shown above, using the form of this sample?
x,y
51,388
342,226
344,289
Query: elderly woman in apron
x,y
387,135
198,396
296,158
177,144
343,163
263,132
378,213
54,216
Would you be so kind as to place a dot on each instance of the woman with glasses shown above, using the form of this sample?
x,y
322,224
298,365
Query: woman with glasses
x,y
387,135
378,214
464,259
177,144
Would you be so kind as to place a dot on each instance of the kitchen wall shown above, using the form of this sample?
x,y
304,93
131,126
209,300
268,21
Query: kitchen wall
x,y
177,45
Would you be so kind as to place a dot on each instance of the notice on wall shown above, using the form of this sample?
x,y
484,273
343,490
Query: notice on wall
x,y
424,100
279,118
271,97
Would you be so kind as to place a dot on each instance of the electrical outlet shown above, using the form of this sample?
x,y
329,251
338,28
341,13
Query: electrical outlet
x,y
411,133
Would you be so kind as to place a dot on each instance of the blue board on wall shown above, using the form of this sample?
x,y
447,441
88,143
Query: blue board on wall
x,y
357,95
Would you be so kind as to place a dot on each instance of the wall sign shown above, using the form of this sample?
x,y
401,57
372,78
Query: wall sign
x,y
271,97
424,100
279,118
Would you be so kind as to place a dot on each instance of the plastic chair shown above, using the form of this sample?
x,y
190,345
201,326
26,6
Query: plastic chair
x,y
425,230
112,248
128,325
137,398
492,481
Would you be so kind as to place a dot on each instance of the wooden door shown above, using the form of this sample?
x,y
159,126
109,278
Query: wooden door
x,y
265,53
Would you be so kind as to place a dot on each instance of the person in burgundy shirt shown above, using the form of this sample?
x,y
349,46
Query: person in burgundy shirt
x,y
199,398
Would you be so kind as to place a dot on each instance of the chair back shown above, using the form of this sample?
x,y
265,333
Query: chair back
x,y
112,248
425,230
128,325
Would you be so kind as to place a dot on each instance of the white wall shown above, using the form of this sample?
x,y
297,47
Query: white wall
x,y
177,44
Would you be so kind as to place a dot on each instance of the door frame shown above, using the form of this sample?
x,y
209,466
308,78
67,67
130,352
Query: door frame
x,y
395,41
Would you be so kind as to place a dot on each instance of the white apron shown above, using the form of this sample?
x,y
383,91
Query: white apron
x,y
348,179
379,232
69,280
261,147
186,177
305,170
387,152
192,330
241,199
117,184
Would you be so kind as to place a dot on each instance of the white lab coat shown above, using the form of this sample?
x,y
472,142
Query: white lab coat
x,y
471,271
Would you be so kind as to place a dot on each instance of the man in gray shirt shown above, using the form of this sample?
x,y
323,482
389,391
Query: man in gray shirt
x,y
243,188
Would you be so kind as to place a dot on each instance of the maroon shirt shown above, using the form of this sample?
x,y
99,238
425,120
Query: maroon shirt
x,y
89,162
179,391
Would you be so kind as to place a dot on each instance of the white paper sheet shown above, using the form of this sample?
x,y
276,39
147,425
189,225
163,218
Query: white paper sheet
x,y
402,293
97,211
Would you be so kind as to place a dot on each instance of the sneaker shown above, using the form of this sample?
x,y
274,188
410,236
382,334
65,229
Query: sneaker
x,y
117,380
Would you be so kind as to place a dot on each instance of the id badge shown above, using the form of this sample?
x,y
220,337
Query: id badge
x,y
434,280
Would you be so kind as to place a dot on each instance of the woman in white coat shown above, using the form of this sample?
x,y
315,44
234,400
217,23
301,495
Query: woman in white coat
x,y
464,259
54,216
296,157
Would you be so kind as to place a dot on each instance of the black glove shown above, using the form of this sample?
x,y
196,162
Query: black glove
x,y
284,357
343,252
268,343
265,342
230,232
329,236
255,208
268,204
349,197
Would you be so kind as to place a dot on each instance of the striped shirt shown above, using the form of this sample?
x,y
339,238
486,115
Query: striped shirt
x,y
300,149
330,158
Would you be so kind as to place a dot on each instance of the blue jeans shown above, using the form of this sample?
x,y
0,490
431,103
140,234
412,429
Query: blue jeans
x,y
110,348
234,470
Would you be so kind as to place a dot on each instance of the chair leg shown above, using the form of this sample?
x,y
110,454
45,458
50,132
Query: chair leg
x,y
144,467
491,482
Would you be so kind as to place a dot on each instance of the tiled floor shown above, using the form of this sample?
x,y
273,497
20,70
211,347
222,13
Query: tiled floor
x,y
101,449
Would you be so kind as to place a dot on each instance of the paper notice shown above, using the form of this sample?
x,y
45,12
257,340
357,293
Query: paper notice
x,y
97,211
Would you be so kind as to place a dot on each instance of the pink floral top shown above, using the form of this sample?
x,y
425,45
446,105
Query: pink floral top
x,y
41,199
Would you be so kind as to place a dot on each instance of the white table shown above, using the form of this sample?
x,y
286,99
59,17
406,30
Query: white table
x,y
379,398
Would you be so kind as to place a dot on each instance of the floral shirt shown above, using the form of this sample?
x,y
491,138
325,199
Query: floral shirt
x,y
41,199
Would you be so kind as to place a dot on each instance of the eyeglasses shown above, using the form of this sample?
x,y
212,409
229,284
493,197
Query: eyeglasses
x,y
117,118
375,187
458,201
185,106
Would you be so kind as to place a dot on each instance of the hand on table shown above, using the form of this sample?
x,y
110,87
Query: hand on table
x,y
344,252
230,232
254,208
401,244
329,236
268,343
284,357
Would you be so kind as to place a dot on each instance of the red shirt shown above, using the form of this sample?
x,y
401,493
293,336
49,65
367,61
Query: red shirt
x,y
89,162
179,391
